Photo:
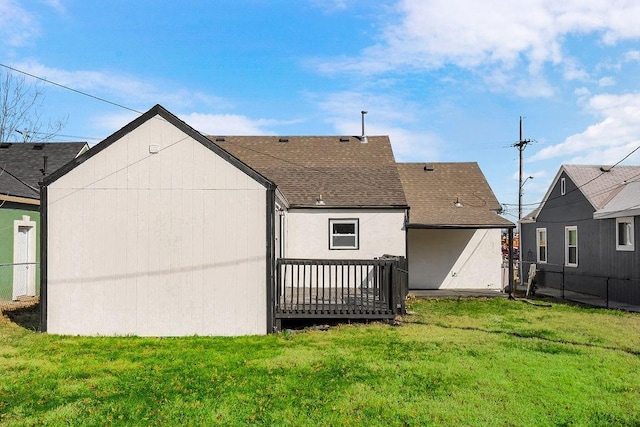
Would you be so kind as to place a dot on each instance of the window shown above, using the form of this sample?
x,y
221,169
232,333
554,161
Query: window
x,y
571,246
541,243
343,234
563,186
624,234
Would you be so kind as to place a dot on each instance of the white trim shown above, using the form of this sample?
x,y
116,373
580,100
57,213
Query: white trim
x,y
546,246
31,256
563,186
629,245
567,230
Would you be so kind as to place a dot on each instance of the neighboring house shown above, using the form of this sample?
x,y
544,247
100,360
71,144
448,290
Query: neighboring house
x,y
454,229
22,166
159,230
582,236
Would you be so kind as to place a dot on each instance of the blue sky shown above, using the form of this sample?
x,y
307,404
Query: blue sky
x,y
447,80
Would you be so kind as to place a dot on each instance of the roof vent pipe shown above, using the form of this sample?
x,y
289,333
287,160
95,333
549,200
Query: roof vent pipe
x,y
363,138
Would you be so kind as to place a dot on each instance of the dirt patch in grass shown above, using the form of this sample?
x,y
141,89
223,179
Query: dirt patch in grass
x,y
24,312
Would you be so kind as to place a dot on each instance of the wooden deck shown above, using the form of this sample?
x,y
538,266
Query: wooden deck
x,y
349,289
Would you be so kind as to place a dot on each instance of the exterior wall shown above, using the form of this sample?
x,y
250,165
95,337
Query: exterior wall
x,y
381,231
455,259
164,244
9,213
598,258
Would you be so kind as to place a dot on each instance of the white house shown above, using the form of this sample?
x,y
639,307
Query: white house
x,y
453,230
160,231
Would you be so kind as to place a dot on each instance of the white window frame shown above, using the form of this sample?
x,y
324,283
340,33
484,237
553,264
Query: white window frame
x,y
538,245
563,186
356,233
567,231
628,223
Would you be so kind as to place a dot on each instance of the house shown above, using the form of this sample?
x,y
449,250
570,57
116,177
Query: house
x,y
582,236
454,229
180,233
22,166
344,198
178,236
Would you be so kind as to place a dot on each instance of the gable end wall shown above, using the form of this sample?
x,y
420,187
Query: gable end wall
x,y
162,244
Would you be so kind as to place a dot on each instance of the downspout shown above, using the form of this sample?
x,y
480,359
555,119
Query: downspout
x,y
270,252
43,257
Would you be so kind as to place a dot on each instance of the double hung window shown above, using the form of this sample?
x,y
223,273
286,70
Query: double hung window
x,y
624,234
571,246
343,234
541,243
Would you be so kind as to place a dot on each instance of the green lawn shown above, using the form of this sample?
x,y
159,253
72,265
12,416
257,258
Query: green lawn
x,y
466,362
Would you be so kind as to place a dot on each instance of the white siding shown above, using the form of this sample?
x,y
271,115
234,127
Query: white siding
x,y
380,232
163,244
455,259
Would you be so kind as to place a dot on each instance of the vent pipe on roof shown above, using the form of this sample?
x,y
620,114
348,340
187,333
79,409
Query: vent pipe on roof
x,y
363,138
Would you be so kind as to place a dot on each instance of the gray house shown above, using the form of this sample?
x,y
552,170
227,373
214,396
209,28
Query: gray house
x,y
582,236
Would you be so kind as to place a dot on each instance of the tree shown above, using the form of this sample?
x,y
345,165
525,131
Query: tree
x,y
20,104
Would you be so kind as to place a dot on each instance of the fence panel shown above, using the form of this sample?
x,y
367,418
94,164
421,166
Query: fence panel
x,y
592,289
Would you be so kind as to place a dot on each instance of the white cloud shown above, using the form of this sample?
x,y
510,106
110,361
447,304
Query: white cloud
x,y
231,124
632,56
506,35
606,81
331,5
126,89
606,142
386,116
17,26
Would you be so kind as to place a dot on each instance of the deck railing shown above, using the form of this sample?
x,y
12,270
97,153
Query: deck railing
x,y
362,289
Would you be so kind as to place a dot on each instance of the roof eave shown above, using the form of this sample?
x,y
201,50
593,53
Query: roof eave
x,y
325,206
459,226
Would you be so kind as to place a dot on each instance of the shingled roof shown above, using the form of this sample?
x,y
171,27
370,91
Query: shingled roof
x,y
344,171
599,184
432,190
22,164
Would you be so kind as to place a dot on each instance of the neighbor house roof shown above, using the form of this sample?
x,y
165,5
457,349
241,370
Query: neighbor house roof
x,y
342,171
625,202
605,188
432,190
600,183
24,164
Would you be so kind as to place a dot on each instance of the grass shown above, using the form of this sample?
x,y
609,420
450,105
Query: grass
x,y
453,362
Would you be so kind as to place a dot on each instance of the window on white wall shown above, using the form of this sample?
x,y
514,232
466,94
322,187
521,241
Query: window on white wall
x,y
571,246
624,234
343,234
541,243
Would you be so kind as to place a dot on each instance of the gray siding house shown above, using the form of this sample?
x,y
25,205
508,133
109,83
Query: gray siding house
x,y
582,236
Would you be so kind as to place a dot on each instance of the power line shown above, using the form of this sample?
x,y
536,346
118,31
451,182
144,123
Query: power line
x,y
70,89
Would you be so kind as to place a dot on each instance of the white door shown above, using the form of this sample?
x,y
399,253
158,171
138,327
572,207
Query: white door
x,y
21,257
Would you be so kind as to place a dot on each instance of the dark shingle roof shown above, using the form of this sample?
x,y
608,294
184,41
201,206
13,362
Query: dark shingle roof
x,y
345,171
432,193
24,161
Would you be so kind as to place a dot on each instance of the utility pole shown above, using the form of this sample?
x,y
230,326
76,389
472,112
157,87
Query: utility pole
x,y
521,145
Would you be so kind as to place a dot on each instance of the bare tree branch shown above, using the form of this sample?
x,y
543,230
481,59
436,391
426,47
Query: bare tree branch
x,y
20,117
